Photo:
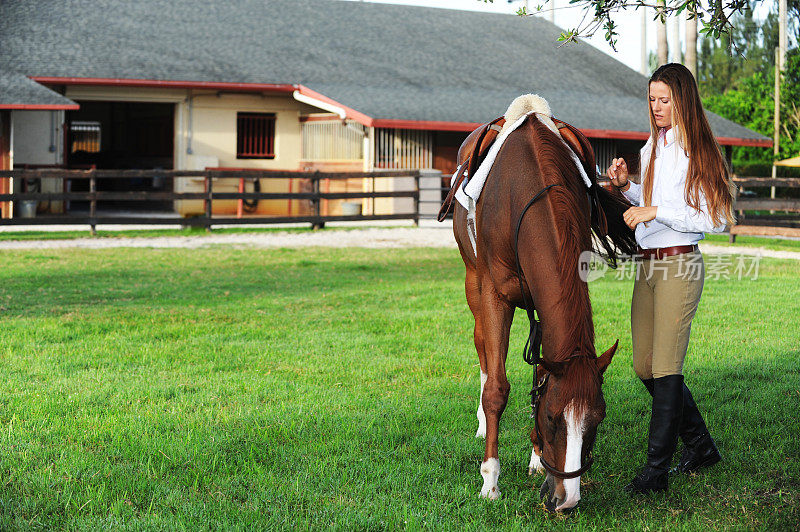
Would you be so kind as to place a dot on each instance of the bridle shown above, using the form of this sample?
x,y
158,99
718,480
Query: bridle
x,y
531,353
536,394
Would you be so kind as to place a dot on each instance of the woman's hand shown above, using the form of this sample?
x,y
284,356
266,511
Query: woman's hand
x,y
618,172
637,215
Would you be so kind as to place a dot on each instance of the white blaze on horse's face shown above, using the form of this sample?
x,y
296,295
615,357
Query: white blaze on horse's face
x,y
572,460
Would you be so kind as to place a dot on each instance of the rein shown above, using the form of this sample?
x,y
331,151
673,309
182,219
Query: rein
x,y
531,353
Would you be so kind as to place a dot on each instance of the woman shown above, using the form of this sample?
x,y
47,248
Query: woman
x,y
685,192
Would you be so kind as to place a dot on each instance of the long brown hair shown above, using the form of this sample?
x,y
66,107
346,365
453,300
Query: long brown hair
x,y
708,172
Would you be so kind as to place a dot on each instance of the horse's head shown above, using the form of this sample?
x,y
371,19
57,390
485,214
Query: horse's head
x,y
571,407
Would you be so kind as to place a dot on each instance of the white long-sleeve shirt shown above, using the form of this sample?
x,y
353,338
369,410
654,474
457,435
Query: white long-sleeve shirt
x,y
676,223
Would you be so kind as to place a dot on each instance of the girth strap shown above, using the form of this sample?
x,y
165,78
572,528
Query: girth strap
x,y
447,204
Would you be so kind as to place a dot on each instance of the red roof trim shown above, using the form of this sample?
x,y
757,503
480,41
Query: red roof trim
x,y
615,134
425,124
40,107
350,113
641,135
735,141
171,84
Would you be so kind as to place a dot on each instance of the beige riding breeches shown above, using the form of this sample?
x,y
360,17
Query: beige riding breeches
x,y
665,298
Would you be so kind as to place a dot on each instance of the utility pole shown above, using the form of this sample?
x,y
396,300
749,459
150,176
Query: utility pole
x,y
782,35
780,67
776,132
552,11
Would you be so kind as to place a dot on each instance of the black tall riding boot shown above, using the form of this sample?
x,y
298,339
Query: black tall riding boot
x,y
665,421
699,449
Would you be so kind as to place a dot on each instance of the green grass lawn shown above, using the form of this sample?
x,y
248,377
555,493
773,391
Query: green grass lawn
x,y
315,388
777,244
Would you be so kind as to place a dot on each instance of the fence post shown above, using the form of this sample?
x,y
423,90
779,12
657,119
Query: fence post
x,y
316,202
209,198
416,198
429,190
93,202
240,202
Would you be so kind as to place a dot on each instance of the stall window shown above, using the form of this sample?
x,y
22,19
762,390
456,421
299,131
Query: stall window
x,y
84,137
255,135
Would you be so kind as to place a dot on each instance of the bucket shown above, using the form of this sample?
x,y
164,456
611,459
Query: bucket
x,y
351,208
27,209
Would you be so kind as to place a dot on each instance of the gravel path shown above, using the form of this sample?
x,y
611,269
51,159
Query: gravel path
x,y
389,237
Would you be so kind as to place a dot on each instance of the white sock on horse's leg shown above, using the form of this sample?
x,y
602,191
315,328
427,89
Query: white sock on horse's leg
x,y
490,471
481,416
535,465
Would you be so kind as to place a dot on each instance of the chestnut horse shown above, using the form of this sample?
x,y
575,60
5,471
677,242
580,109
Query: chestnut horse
x,y
553,232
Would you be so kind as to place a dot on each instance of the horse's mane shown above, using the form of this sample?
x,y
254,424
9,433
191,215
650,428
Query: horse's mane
x,y
574,228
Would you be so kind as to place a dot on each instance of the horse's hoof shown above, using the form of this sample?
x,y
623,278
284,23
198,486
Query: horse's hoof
x,y
534,470
567,511
535,465
492,494
547,496
481,434
543,491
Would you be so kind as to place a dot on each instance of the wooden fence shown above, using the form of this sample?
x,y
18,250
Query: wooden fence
x,y
310,193
782,219
425,195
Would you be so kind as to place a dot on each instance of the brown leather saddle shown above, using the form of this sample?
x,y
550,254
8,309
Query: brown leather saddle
x,y
474,148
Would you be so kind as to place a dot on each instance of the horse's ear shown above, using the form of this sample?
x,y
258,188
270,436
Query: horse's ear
x,y
605,359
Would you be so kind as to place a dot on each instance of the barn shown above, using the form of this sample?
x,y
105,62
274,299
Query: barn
x,y
287,85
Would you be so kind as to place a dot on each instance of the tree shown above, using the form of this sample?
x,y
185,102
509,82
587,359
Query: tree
x,y
716,18
661,32
750,102
740,86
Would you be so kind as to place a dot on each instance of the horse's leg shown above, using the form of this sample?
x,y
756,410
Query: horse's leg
x,y
472,288
496,320
535,465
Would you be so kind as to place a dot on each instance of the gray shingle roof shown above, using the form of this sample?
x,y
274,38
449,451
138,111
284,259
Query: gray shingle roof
x,y
387,61
16,90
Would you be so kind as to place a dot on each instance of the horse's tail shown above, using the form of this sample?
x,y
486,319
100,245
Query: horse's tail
x,y
611,231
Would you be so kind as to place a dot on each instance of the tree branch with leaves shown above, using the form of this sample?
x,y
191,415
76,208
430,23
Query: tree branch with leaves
x,y
715,17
